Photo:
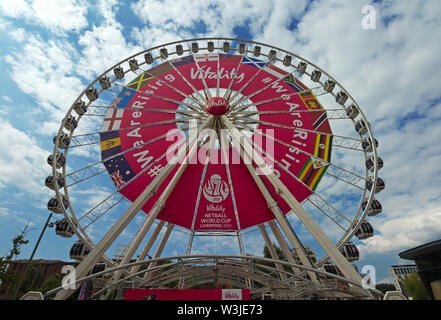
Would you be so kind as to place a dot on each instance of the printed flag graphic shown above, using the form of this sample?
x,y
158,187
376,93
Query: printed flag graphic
x,y
120,170
112,119
253,62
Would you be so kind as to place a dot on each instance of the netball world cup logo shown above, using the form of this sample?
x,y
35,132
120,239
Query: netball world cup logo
x,y
215,189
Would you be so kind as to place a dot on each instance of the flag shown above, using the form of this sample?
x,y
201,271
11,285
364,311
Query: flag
x,y
272,69
229,57
294,83
253,62
123,98
119,170
112,119
310,175
110,143
319,118
163,67
323,146
182,61
139,82
206,57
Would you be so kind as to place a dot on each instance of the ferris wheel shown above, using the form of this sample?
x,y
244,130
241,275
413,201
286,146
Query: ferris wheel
x,y
207,142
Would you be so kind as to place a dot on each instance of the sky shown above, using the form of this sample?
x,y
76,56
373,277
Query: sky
x,y
51,49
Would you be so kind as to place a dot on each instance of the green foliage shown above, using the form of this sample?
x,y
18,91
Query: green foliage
x,y
8,276
52,282
384,287
414,287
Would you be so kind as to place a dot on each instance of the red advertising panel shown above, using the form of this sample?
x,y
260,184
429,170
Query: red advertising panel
x,y
143,125
187,294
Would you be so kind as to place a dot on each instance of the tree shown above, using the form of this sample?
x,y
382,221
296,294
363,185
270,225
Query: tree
x,y
414,287
385,287
52,282
8,276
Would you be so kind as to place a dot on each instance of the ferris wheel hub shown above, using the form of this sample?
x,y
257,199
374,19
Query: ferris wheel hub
x,y
217,106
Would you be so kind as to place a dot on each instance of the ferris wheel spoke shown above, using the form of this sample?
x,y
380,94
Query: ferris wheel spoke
x,y
177,90
96,168
206,90
86,138
270,83
316,91
300,212
101,111
223,146
195,91
239,92
227,93
338,141
336,171
317,199
192,107
101,209
332,114
329,211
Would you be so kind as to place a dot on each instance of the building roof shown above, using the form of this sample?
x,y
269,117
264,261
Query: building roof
x,y
429,247
403,266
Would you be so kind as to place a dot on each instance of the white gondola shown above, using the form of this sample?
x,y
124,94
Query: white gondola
x,y
329,85
55,206
60,160
350,252
105,82
210,46
374,209
367,144
78,251
365,231
133,64
63,140
257,50
179,49
241,48
148,58
378,187
272,55
63,229
163,53
341,97
371,161
226,46
71,123
352,111
92,94
80,107
119,72
301,68
194,47
50,182
361,126
315,75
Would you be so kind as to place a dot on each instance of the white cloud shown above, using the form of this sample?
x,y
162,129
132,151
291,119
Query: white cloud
x,y
58,16
22,162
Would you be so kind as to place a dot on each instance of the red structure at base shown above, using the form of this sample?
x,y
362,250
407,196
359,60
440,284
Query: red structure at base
x,y
187,294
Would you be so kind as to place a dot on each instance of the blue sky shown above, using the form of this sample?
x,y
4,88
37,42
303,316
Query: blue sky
x,y
51,50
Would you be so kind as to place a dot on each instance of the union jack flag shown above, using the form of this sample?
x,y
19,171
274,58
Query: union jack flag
x,y
117,179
